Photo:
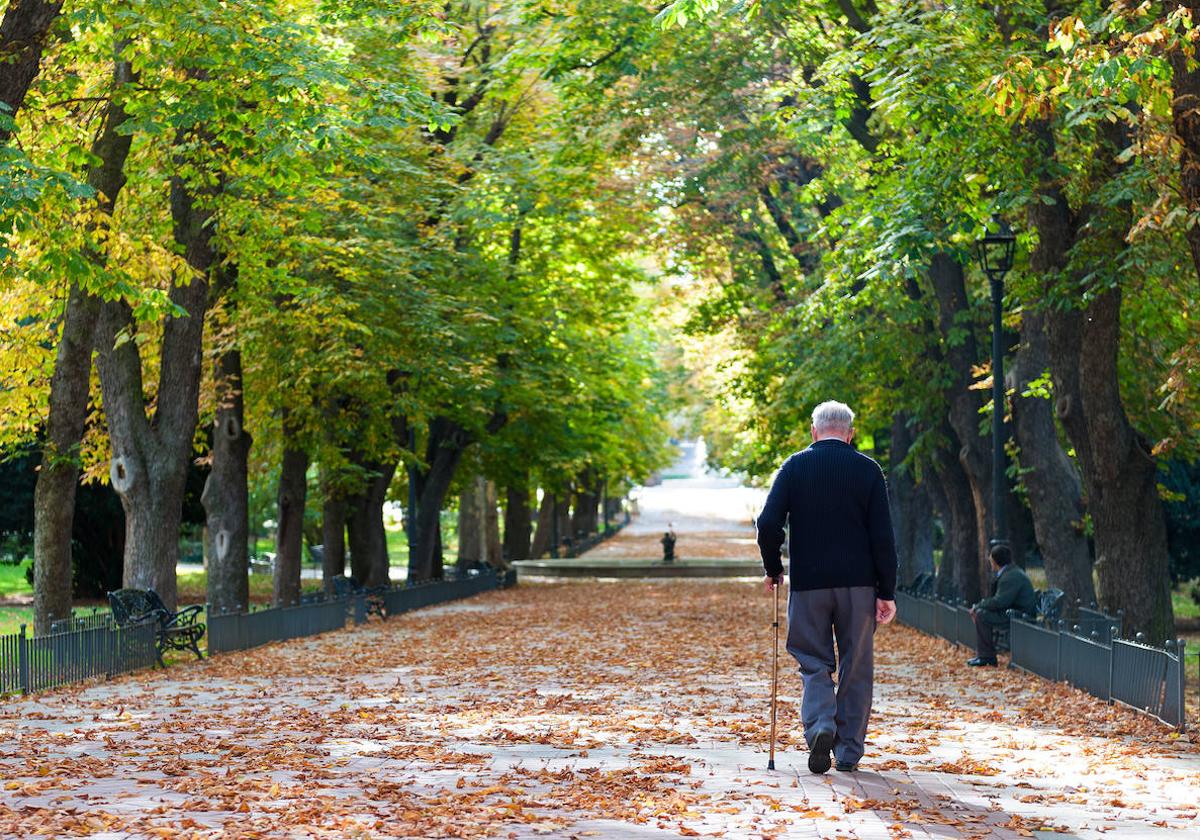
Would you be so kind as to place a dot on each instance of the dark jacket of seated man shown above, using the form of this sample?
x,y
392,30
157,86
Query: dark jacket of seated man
x,y
1011,590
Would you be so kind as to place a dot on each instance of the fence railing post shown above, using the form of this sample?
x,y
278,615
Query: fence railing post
x,y
23,661
1112,658
1181,649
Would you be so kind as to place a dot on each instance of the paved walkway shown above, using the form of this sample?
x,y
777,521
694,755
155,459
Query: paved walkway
x,y
713,515
631,710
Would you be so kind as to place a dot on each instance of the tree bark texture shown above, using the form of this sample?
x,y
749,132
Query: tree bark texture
x,y
961,353
518,522
289,536
23,35
1120,475
150,458
491,526
912,509
562,516
1118,471
1185,113
369,561
333,538
958,575
1051,480
584,518
226,495
70,384
543,536
472,543
444,451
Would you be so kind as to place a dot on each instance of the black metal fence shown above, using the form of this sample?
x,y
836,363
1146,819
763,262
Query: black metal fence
x,y
1086,653
35,663
82,647
241,631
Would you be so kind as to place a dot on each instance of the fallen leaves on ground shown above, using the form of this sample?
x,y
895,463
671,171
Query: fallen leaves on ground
x,y
565,710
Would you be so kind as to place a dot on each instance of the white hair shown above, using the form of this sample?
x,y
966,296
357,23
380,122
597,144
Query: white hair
x,y
832,416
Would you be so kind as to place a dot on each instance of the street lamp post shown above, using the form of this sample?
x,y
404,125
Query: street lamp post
x,y
996,250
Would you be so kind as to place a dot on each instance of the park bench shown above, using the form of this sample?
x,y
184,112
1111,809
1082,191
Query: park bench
x,y
1048,613
176,630
348,587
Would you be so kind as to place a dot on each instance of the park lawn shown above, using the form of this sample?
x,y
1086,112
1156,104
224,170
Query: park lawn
x,y
12,617
13,580
1185,606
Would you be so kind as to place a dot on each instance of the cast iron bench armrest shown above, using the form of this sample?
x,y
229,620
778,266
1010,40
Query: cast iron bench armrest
x,y
187,615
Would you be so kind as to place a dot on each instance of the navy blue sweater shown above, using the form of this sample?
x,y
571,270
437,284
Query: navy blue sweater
x,y
834,500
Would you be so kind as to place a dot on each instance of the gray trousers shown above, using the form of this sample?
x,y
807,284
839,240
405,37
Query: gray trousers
x,y
815,619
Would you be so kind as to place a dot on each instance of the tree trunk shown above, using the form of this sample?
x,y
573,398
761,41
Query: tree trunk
x,y
1185,112
54,497
517,521
958,575
289,537
150,458
912,509
23,32
564,534
584,520
491,526
544,535
333,537
58,478
472,550
1120,475
369,559
447,440
1052,483
962,354
226,495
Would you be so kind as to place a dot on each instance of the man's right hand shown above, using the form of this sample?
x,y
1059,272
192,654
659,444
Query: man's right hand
x,y
771,582
885,611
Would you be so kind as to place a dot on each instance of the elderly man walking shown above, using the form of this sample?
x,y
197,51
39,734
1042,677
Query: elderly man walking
x,y
842,557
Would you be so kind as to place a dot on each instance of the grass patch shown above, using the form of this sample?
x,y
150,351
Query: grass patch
x,y
12,579
11,619
1182,601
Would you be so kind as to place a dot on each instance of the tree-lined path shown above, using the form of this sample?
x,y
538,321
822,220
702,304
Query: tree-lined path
x,y
712,515
533,712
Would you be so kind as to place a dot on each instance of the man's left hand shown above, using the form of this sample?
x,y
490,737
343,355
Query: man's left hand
x,y
771,582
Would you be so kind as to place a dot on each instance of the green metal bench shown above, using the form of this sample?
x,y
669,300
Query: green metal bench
x,y
176,630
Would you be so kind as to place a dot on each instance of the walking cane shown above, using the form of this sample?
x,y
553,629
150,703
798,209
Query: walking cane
x,y
774,676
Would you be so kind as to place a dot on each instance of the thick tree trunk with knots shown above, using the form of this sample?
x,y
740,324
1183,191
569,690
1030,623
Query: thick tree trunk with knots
x,y
1120,475
958,575
1118,470
150,458
1055,495
226,496
70,385
962,355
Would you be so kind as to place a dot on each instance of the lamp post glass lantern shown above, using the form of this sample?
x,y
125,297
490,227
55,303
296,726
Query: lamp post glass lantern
x,y
996,250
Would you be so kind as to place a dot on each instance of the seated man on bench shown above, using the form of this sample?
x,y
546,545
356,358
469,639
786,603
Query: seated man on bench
x,y
1011,590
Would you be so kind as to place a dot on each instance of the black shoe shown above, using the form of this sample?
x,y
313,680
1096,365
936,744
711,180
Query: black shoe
x,y
847,766
980,662
818,756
